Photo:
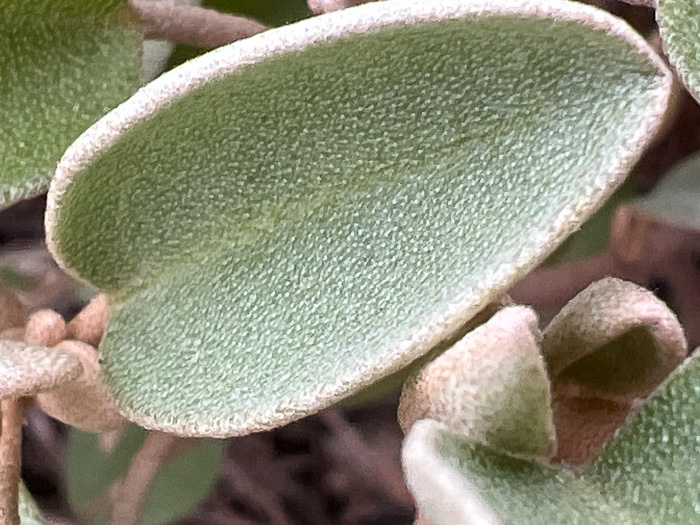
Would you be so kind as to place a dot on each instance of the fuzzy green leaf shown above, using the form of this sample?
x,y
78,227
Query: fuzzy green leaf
x,y
648,474
63,65
679,27
490,386
177,488
289,218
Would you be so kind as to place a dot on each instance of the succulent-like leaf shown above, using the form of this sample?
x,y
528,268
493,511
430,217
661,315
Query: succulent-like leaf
x,y
29,513
26,370
615,337
64,64
649,474
296,215
679,27
176,489
490,386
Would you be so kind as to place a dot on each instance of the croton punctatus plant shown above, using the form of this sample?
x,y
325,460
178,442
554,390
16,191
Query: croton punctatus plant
x,y
296,217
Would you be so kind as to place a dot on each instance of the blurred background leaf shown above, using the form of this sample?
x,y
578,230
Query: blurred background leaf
x,y
175,491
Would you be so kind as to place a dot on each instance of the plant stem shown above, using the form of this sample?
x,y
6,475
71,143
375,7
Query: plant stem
x,y
10,459
133,488
192,25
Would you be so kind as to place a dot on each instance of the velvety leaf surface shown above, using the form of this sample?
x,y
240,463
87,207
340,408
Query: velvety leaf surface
x,y
614,337
648,474
29,513
293,216
63,64
679,27
654,461
457,481
176,489
491,386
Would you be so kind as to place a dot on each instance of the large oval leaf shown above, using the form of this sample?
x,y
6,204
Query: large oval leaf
x,y
63,65
679,27
293,216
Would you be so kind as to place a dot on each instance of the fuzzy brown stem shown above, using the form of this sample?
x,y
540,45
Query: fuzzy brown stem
x,y
10,459
133,488
192,25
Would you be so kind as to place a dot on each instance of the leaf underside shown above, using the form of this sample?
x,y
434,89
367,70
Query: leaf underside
x,y
304,225
63,65
679,27
648,474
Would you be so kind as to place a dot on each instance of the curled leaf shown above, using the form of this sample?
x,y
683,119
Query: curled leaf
x,y
288,222
614,337
84,403
648,474
489,387
26,370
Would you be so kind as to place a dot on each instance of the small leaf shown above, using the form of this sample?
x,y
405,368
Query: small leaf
x,y
491,386
29,513
614,337
648,474
63,65
304,212
679,27
26,370
176,489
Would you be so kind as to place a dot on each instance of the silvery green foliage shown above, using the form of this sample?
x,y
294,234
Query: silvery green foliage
x,y
679,27
648,474
63,64
287,219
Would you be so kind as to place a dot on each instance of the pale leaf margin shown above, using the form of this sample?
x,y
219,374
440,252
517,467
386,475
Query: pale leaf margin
x,y
600,322
679,28
367,18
